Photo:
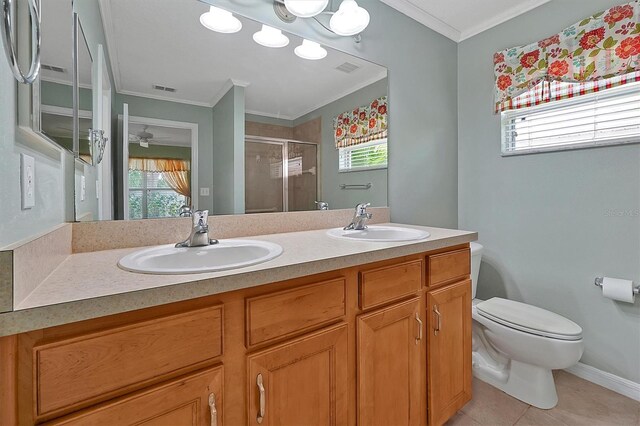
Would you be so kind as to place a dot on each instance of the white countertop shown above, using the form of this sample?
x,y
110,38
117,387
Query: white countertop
x,y
90,285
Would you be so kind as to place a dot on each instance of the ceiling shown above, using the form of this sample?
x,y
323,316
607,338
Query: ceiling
x,y
461,19
162,42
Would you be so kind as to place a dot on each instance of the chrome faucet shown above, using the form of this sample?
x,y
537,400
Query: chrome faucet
x,y
199,231
322,205
185,211
360,217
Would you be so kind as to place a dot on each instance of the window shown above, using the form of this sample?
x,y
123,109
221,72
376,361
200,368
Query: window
x,y
366,156
151,197
601,118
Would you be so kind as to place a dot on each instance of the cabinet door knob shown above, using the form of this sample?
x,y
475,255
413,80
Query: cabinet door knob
x,y
263,402
214,411
419,321
439,320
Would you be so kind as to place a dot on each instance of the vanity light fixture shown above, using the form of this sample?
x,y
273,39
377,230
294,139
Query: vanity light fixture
x,y
310,50
305,8
220,21
350,19
270,37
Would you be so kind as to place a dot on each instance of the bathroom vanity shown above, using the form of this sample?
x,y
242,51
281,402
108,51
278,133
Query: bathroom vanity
x,y
386,341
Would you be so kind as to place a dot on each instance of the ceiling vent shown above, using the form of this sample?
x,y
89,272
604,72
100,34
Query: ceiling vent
x,y
53,68
347,67
163,88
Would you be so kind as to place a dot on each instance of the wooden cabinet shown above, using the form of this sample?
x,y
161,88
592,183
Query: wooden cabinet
x,y
302,382
449,350
193,400
387,343
391,367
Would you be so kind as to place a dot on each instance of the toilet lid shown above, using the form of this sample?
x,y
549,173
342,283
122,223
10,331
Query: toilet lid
x,y
529,319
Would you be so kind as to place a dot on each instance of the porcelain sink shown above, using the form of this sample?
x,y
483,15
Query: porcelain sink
x,y
227,254
376,233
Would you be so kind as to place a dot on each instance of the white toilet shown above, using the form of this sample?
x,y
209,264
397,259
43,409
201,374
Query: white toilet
x,y
515,345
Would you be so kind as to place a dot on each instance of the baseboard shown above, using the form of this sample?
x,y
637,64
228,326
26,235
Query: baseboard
x,y
607,380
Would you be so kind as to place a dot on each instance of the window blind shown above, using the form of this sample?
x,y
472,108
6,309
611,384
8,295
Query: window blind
x,y
600,118
371,155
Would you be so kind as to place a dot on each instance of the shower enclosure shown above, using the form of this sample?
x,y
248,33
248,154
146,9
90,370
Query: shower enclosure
x,y
275,185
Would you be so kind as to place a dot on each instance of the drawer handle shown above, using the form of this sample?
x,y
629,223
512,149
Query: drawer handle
x,y
262,399
214,411
419,321
439,317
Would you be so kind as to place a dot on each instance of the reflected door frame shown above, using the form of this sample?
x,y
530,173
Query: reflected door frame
x,y
285,164
130,119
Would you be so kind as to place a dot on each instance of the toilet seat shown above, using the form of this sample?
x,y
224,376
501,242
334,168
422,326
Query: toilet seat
x,y
529,319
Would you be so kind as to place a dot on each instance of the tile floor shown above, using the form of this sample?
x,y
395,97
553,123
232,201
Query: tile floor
x,y
580,403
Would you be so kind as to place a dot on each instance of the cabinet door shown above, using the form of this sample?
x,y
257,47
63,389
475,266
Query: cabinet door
x,y
391,366
192,400
301,382
448,350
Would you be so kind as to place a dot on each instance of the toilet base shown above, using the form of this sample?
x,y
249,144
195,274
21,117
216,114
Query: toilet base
x,y
528,383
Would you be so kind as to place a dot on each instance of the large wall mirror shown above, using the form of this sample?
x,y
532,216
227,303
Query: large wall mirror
x,y
216,121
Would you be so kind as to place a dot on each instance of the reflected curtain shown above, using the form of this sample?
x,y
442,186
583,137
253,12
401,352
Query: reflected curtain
x,y
597,53
361,125
175,172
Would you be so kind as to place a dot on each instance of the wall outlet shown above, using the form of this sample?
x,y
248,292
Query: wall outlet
x,y
28,181
83,188
204,192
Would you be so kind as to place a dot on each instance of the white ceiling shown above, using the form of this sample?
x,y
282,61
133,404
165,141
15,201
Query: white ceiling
x,y
162,42
168,136
461,19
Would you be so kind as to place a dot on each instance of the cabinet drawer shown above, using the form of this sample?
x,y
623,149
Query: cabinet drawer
x,y
184,401
449,267
81,371
289,312
389,283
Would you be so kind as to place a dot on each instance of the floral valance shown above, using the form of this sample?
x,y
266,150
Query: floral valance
x,y
601,47
361,125
159,165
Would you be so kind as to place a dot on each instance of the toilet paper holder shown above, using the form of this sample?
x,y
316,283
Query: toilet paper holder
x,y
598,283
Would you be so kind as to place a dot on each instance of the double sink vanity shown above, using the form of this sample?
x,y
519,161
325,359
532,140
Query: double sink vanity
x,y
333,329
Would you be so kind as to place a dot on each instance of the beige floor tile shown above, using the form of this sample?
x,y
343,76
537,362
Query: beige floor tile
x,y
584,403
491,406
536,417
462,419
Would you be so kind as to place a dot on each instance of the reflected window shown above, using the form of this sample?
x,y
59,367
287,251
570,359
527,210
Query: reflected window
x,y
151,196
366,156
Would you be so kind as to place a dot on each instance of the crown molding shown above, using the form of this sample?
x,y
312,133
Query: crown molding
x,y
425,18
416,13
501,18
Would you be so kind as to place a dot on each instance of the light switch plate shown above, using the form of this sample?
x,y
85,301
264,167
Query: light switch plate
x,y
28,181
204,192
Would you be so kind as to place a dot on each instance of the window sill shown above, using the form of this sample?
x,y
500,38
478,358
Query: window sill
x,y
363,169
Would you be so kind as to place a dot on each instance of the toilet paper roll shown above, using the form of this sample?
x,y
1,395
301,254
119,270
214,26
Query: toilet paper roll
x,y
617,289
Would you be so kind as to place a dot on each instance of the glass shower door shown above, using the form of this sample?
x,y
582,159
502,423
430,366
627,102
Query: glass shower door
x,y
264,177
302,185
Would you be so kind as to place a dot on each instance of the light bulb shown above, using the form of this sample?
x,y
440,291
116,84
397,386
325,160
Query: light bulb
x,y
270,37
310,50
305,8
350,19
220,20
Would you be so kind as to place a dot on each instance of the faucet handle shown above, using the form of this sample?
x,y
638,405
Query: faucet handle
x,y
361,208
200,217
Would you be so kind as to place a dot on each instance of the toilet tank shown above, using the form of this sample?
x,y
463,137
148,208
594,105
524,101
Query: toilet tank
x,y
476,257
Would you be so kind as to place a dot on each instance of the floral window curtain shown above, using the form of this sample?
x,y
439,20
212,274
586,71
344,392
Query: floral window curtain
x,y
361,125
599,52
175,172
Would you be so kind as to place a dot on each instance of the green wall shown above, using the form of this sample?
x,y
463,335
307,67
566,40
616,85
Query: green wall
x,y
160,151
